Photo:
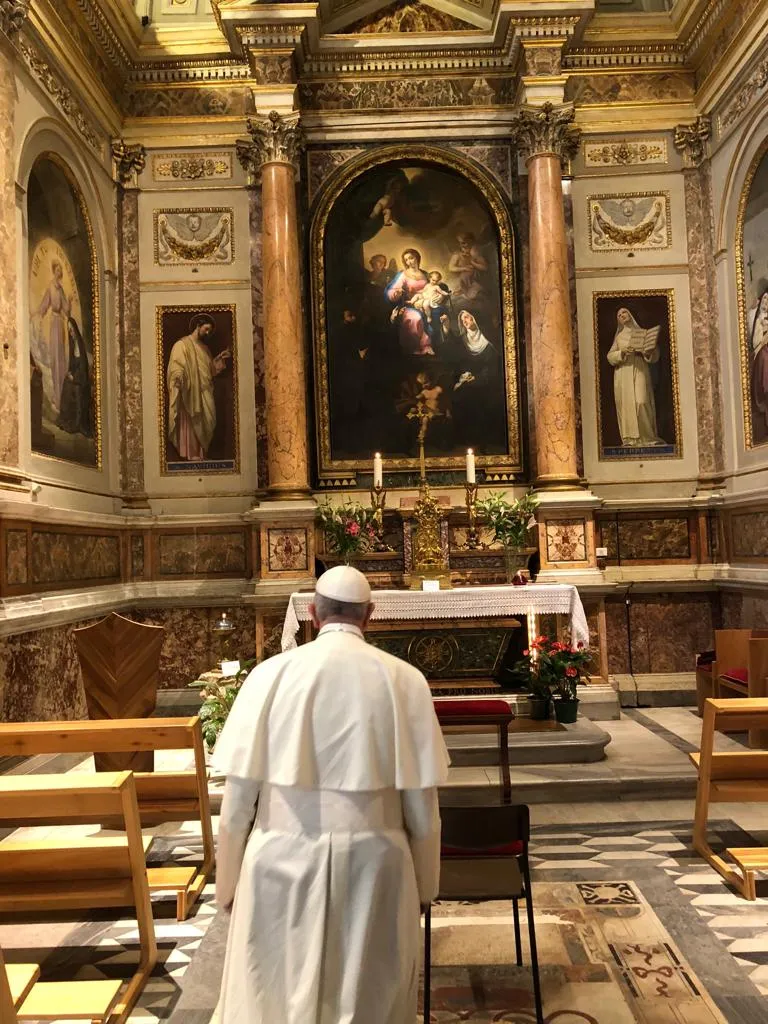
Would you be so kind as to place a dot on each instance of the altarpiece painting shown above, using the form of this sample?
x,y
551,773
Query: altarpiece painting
x,y
64,345
752,274
414,309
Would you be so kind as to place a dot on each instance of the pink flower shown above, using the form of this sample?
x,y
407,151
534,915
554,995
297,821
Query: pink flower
x,y
526,652
353,529
571,671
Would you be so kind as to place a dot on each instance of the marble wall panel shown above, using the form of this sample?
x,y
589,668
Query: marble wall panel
x,y
16,558
137,556
62,558
40,676
566,540
745,610
646,539
229,101
202,554
627,88
669,630
749,535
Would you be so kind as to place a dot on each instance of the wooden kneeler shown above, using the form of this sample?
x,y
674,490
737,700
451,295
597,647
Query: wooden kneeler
x,y
50,876
733,777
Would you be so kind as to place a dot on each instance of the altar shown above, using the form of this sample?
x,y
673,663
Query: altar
x,y
458,638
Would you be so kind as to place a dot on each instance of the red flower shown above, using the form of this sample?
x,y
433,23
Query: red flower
x,y
353,529
557,646
526,652
571,671
579,645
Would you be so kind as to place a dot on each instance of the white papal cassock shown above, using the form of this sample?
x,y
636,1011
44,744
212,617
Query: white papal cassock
x,y
336,751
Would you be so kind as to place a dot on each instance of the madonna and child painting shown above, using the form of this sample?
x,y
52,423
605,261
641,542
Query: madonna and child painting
x,y
413,318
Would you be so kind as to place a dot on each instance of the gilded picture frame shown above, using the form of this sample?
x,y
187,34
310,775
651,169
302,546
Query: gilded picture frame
x,y
50,245
190,441
752,296
647,402
400,159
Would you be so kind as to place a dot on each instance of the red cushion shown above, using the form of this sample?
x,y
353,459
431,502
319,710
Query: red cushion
x,y
738,675
514,849
460,708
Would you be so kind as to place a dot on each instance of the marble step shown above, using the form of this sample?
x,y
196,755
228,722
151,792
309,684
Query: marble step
x,y
545,743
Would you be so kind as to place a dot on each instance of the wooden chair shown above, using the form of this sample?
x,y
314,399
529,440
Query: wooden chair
x,y
120,663
733,777
54,875
475,840
162,796
482,712
741,667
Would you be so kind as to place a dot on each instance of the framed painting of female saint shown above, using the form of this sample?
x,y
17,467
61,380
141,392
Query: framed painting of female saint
x,y
414,316
638,406
64,343
752,277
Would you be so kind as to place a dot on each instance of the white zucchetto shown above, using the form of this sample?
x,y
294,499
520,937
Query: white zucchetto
x,y
344,583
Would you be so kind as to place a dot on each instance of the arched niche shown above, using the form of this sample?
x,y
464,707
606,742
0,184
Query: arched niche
x,y
414,306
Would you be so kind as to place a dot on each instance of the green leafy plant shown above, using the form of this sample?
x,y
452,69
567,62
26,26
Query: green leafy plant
x,y
510,520
551,668
349,528
217,700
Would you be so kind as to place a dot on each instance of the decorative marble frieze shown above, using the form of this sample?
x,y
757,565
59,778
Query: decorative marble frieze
x,y
201,553
626,153
651,87
406,93
209,102
199,166
544,130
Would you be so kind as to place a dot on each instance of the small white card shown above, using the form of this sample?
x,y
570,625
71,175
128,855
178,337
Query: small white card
x,y
230,668
430,584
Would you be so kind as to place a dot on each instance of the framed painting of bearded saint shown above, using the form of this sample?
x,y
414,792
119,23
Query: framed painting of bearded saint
x,y
752,278
638,402
414,316
197,389
64,336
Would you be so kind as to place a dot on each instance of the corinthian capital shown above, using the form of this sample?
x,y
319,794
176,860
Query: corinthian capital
x,y
691,139
274,139
546,129
13,14
129,160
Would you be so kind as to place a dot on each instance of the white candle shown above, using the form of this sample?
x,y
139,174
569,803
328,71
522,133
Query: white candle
x,y
378,470
470,466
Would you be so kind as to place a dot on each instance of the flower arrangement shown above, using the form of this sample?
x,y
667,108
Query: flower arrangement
x,y
349,529
510,520
551,668
218,696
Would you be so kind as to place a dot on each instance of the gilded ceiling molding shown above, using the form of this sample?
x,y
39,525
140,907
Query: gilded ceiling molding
x,y
691,140
129,160
276,138
62,96
13,14
546,129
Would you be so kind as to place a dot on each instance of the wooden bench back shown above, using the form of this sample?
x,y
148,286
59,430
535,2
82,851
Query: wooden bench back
x,y
749,766
73,796
732,647
7,1009
25,739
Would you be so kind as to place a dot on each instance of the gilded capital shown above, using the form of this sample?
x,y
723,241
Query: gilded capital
x,y
129,160
275,139
691,139
13,14
546,130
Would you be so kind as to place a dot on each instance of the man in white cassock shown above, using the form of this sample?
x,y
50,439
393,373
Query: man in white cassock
x,y
329,838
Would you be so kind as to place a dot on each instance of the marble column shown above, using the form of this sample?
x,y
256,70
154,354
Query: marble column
x,y
546,136
273,152
691,140
129,162
12,17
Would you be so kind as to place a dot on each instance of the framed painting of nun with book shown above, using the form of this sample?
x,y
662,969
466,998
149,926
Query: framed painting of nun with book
x,y
638,405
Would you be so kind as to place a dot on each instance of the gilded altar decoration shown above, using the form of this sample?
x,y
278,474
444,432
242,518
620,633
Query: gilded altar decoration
x,y
752,282
194,237
638,403
428,553
413,285
546,129
635,221
625,153
192,166
129,161
64,318
197,389
691,139
408,16
13,14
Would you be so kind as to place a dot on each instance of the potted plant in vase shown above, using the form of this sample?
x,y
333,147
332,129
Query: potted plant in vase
x,y
552,670
218,696
510,522
349,529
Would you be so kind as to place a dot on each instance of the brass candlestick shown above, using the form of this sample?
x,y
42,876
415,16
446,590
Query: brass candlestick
x,y
378,501
473,539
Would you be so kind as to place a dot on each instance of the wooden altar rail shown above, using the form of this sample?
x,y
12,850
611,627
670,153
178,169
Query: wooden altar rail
x,y
732,777
162,796
49,876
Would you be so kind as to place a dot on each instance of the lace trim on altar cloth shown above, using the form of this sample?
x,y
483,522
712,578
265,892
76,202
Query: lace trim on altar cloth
x,y
461,603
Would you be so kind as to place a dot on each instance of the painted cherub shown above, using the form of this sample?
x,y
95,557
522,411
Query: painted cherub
x,y
385,205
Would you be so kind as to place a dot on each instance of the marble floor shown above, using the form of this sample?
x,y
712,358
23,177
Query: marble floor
x,y
632,925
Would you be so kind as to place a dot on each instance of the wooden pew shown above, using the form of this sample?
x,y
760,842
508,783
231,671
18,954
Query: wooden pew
x,y
162,796
741,668
50,876
733,777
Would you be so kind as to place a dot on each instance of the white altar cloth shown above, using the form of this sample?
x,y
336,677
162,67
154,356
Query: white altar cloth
x,y
459,603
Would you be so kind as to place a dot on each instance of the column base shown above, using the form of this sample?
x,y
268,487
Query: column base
x,y
135,503
711,482
559,483
287,492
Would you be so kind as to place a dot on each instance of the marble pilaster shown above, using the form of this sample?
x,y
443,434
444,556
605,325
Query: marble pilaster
x,y
546,136
129,162
257,323
273,151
